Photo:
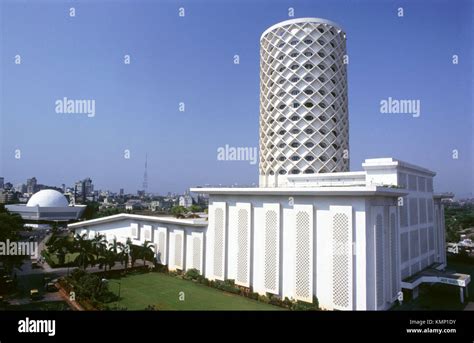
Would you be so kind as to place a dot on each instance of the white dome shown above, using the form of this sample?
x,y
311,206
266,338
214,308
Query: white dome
x,y
48,198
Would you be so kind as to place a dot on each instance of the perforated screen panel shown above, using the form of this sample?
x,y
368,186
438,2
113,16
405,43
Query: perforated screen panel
x,y
271,251
414,244
424,240
197,253
219,243
393,255
379,263
404,247
243,227
341,260
422,207
303,258
413,211
178,251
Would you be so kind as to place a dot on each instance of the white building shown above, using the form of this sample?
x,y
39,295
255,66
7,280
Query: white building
x,y
354,240
304,127
185,200
48,205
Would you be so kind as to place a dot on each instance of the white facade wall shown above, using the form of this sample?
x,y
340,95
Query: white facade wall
x,y
296,254
179,246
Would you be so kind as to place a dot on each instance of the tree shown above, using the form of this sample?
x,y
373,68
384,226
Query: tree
x,y
10,226
195,208
84,247
178,211
148,254
61,246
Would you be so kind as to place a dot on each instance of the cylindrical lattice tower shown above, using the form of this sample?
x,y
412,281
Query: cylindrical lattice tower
x,y
304,126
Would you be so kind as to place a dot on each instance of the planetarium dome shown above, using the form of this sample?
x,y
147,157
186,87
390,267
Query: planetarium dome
x,y
48,198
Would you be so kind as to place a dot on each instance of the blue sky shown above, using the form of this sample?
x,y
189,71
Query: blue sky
x,y
190,59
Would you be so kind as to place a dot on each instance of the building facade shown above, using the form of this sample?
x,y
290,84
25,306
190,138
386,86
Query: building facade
x,y
304,127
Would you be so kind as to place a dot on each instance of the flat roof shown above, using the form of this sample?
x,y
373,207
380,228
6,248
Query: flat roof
x,y
123,216
389,162
370,190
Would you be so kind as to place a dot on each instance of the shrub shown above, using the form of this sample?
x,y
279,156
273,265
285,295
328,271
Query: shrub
x,y
192,274
304,306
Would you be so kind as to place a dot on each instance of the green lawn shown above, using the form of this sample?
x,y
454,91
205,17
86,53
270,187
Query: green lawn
x,y
163,291
440,296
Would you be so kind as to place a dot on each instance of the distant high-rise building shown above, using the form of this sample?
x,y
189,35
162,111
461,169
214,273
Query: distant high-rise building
x,y
31,185
2,180
121,192
83,189
145,175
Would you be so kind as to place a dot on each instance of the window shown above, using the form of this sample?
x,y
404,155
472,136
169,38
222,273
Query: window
x,y
295,79
309,131
295,131
322,79
295,171
321,54
321,42
296,104
295,144
308,41
294,42
294,67
321,66
281,132
323,118
322,105
309,144
309,158
309,171
295,92
308,53
295,158
282,172
295,118
282,106
308,66
323,158
308,104
309,117
308,79
294,54
320,29
308,91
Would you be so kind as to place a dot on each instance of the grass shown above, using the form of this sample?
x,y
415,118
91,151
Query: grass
x,y
441,297
163,291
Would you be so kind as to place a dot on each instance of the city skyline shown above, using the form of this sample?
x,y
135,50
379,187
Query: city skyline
x,y
137,106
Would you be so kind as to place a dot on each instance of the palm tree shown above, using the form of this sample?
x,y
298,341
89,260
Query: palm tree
x,y
61,246
148,253
84,247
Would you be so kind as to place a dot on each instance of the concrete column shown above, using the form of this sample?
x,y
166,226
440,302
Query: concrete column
x,y
461,294
415,292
